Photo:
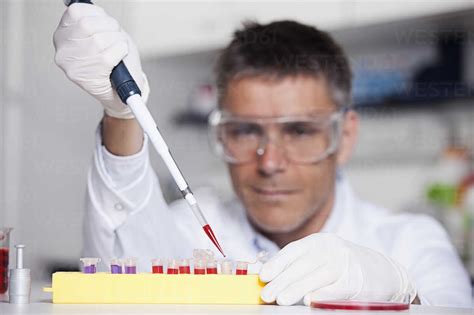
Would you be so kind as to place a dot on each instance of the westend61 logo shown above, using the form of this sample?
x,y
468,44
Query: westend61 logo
x,y
263,38
423,36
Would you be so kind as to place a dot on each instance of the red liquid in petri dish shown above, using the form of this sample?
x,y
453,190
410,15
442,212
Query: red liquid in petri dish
x,y
184,270
211,271
172,271
199,271
240,271
360,306
3,270
157,269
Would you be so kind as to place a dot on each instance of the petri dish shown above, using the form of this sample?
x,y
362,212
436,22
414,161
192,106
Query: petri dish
x,y
353,305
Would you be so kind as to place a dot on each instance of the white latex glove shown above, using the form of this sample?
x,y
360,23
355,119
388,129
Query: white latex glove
x,y
89,44
323,266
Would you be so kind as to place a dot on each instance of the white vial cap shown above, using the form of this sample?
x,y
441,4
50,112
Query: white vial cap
x,y
173,263
130,262
242,265
89,261
200,263
211,264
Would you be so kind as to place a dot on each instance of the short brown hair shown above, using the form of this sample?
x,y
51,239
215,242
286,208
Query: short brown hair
x,y
285,48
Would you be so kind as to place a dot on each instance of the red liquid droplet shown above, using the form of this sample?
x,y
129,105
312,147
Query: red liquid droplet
x,y
360,305
212,237
240,271
157,269
185,269
3,270
199,271
211,271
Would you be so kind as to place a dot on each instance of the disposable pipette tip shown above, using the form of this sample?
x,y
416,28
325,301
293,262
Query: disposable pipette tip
x,y
212,237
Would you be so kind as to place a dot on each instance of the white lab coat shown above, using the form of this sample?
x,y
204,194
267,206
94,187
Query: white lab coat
x,y
126,216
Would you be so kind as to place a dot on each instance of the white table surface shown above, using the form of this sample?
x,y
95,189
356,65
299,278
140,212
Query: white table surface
x,y
41,304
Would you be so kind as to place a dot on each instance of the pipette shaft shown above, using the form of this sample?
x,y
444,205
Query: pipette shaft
x,y
146,121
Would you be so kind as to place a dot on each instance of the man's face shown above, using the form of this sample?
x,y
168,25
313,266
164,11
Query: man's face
x,y
280,196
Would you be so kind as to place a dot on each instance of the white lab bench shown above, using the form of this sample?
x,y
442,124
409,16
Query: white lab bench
x,y
41,304
48,308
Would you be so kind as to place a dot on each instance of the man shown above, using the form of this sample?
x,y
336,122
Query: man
x,y
285,128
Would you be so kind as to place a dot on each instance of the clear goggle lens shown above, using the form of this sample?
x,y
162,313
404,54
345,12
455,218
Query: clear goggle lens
x,y
303,139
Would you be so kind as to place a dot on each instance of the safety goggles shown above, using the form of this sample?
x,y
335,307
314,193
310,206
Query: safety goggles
x,y
302,139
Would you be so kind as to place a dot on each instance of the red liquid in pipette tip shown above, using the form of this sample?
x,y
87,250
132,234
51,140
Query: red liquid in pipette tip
x,y
212,237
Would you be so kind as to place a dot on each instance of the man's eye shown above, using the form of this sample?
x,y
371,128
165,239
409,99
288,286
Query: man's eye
x,y
301,129
243,129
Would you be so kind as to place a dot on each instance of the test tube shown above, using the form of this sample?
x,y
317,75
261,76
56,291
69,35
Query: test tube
x,y
130,265
172,267
184,267
199,267
211,267
242,267
156,265
226,267
90,264
115,266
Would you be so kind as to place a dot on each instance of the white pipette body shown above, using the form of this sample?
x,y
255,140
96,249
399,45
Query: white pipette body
x,y
148,124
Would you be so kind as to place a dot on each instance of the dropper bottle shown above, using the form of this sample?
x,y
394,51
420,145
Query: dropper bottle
x,y
20,280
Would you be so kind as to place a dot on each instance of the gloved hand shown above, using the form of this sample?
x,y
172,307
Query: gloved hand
x,y
89,44
323,266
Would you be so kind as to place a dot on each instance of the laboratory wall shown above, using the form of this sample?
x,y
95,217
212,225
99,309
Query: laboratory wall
x,y
48,126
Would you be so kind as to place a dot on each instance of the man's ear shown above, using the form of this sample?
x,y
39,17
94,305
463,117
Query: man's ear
x,y
350,129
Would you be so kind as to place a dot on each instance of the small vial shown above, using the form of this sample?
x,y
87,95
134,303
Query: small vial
x,y
130,265
90,264
200,267
199,254
226,267
172,267
115,266
184,267
156,265
242,268
211,267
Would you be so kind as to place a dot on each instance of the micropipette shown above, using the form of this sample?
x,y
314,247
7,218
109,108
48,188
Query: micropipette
x,y
130,94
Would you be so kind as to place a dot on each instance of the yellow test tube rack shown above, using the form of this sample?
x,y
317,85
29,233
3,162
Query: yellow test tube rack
x,y
149,288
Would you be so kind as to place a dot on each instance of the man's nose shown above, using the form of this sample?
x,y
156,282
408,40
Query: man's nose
x,y
271,159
